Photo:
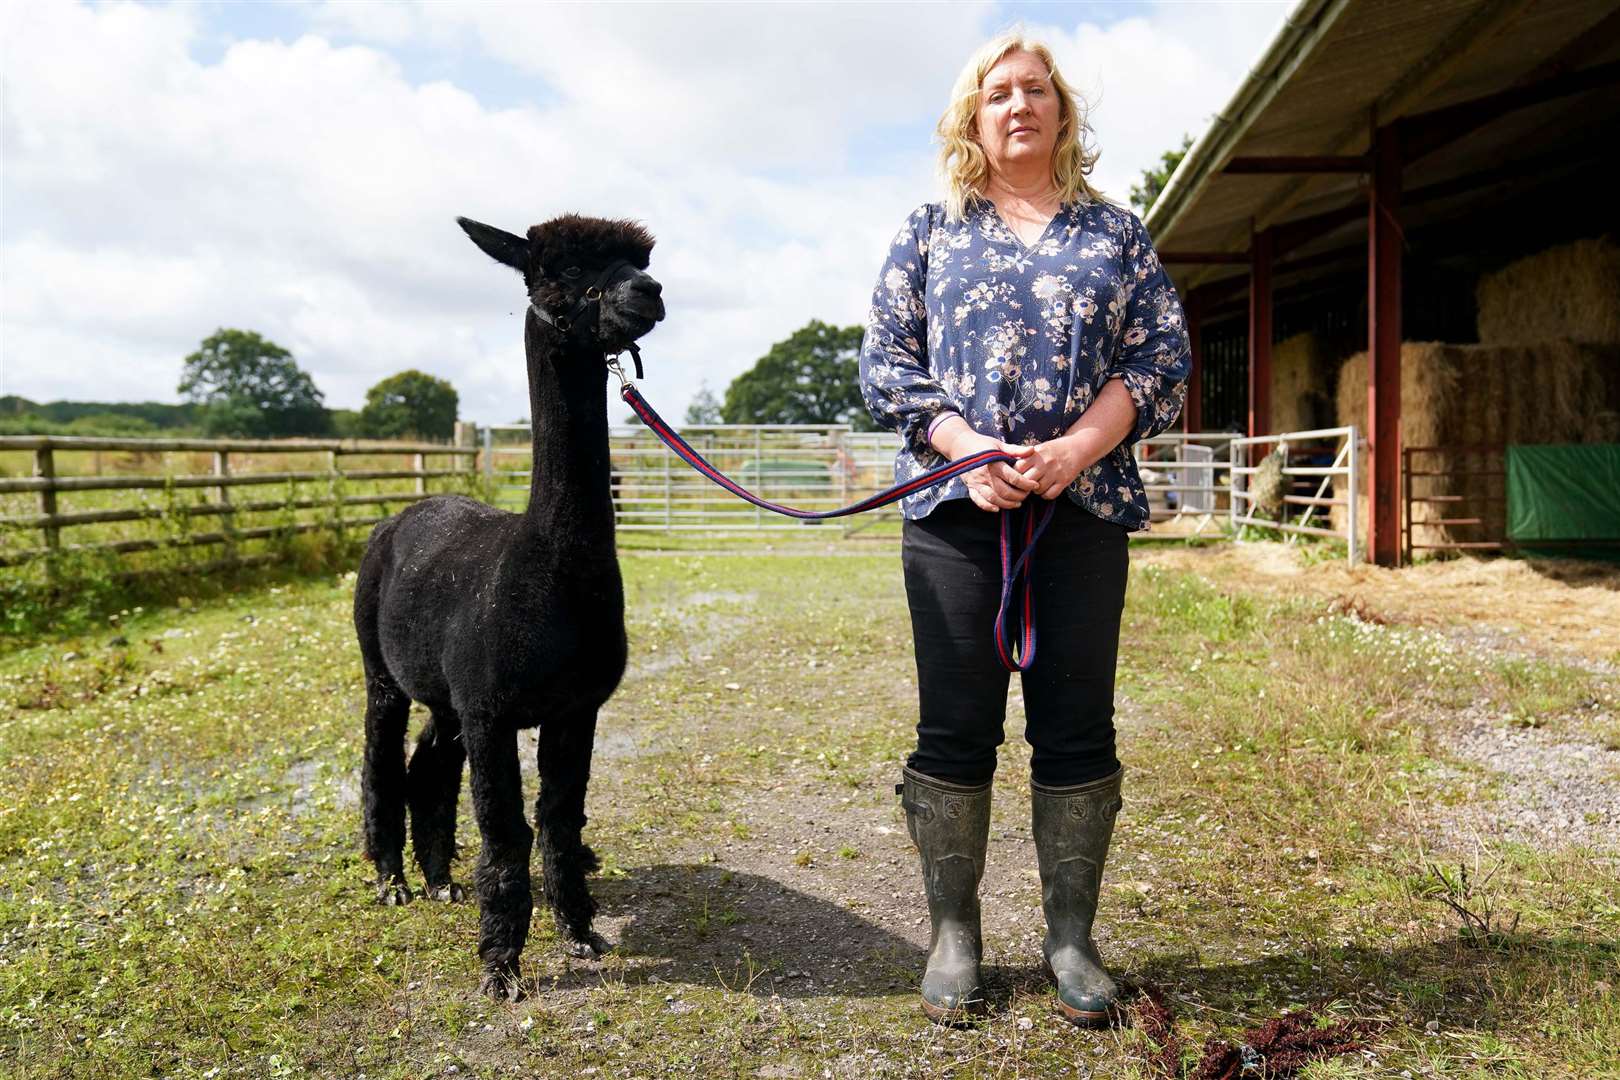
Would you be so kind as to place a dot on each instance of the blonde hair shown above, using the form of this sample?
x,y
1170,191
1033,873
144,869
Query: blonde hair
x,y
961,158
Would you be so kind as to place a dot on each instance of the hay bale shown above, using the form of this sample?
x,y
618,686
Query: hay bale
x,y
1456,396
1268,485
1566,293
1300,374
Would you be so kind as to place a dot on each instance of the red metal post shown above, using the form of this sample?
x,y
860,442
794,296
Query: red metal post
x,y
1192,414
1384,349
1262,247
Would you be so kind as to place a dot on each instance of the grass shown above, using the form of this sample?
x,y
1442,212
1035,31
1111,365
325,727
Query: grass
x,y
1537,693
183,896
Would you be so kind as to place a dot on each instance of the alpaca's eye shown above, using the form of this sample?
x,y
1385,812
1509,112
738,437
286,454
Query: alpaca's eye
x,y
572,271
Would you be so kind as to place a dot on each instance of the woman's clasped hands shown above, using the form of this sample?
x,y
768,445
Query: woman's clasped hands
x,y
1045,469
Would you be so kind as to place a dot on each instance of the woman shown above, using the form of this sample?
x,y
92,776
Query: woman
x,y
1021,312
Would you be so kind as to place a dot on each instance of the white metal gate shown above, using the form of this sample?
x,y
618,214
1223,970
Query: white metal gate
x,y
1178,471
1326,486
1190,478
811,466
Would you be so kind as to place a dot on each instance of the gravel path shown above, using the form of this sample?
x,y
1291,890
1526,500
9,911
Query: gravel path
x,y
1555,788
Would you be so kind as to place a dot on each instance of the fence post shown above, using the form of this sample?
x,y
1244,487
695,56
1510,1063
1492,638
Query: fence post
x,y
466,435
419,463
844,461
489,457
334,489
759,476
222,495
45,469
1406,507
668,524
1350,516
1231,487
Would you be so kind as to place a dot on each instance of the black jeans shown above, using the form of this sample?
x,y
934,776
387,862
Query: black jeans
x,y
952,561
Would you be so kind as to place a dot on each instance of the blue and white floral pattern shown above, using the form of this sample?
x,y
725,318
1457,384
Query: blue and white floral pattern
x,y
1019,340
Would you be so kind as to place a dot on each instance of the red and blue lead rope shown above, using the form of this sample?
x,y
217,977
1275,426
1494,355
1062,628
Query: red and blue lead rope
x,y
1015,623
1015,628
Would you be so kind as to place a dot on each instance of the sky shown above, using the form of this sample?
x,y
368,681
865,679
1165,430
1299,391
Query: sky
x,y
296,169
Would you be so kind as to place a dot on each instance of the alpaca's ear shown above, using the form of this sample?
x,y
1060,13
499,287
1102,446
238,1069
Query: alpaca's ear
x,y
498,244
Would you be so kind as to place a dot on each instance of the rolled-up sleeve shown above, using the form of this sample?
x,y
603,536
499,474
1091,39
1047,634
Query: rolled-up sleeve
x,y
897,386
1154,356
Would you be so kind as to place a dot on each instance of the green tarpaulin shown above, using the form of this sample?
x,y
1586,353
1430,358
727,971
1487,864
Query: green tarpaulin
x,y
1565,500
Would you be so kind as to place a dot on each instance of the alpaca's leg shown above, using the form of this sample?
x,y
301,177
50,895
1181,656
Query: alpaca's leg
x,y
505,902
432,785
559,814
382,785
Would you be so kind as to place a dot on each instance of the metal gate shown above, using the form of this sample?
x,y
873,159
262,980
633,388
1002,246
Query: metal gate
x,y
1190,478
812,466
1308,482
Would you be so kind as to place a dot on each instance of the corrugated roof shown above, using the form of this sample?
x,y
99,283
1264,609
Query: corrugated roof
x,y
1338,66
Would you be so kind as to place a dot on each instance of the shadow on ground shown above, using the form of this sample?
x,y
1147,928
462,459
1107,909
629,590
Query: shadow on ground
x,y
704,925
1461,986
1595,571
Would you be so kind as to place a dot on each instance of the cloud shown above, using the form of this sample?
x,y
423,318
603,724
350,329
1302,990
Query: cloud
x,y
306,187
1151,78
753,85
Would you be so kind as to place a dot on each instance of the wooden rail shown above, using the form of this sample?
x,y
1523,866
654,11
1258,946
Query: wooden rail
x,y
50,520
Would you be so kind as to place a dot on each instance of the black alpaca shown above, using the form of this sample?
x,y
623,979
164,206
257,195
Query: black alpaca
x,y
499,621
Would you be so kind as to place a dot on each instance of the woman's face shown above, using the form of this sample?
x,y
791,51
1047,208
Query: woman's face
x,y
1018,113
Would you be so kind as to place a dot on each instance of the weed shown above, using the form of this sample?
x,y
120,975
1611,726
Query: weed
x,y
1316,550
1470,898
1534,693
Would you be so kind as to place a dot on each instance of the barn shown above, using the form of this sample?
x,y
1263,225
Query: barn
x,y
1402,220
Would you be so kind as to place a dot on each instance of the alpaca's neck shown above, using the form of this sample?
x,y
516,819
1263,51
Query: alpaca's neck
x,y
569,498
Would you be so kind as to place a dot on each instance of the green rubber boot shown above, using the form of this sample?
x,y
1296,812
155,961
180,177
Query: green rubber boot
x,y
950,824
1072,827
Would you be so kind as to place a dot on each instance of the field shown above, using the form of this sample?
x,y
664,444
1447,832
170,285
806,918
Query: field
x,y
1386,796
283,502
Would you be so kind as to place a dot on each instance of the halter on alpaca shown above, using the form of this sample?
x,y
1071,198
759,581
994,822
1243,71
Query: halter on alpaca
x,y
590,301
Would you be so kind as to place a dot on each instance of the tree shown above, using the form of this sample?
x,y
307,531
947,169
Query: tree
x,y
811,378
1143,195
704,407
247,385
410,404
346,423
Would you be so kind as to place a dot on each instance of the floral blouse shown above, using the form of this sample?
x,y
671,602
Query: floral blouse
x,y
1020,339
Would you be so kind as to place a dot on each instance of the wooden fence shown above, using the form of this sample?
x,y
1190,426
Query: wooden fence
x,y
220,490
